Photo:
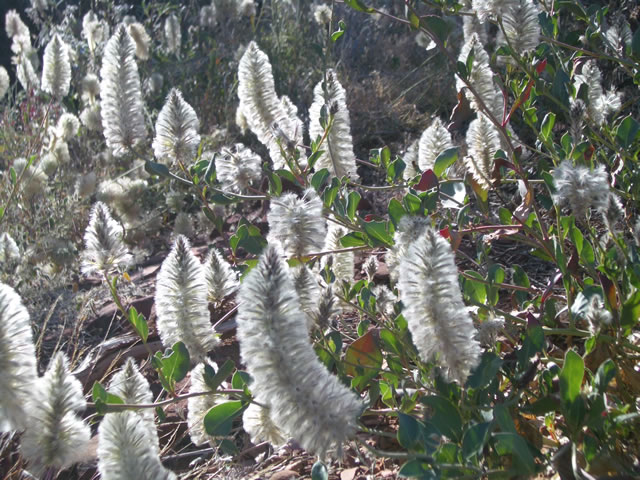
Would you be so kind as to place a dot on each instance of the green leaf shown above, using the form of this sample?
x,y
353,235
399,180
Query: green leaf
x,y
139,324
485,372
319,178
571,377
359,5
606,372
363,357
396,211
408,430
176,365
218,420
627,132
412,204
215,379
559,87
352,204
319,471
240,380
475,290
378,233
154,168
514,444
630,311
101,398
248,237
437,26
391,341
445,160
353,239
337,34
13,176
417,469
446,417
635,44
547,125
474,440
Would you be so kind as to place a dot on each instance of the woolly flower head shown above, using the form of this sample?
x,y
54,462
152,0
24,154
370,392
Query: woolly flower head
x,y
124,449
409,229
94,30
14,25
17,357
4,82
266,116
481,77
440,325
411,161
257,422
308,290
322,14
520,20
85,185
486,9
619,34
197,407
581,187
131,386
305,401
172,34
207,16
141,38
338,156
9,251
342,263
222,281
56,69
67,126
433,141
238,167
55,435
104,249
34,180
177,136
181,302
121,104
123,195
600,104
297,223
483,141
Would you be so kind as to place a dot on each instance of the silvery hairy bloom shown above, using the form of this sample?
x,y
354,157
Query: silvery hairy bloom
x,y
256,421
409,229
207,16
90,88
521,26
177,137
600,104
56,68
17,359
4,82
410,158
483,141
94,30
67,126
342,263
433,141
104,250
14,26
121,97
305,401
181,302
581,188
34,180
619,34
198,406
322,14
9,251
222,281
131,386
338,156
480,78
486,9
172,34
440,325
297,223
124,450
266,116
237,168
56,437
141,38
308,291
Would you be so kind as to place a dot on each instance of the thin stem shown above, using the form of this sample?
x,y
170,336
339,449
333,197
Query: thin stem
x,y
177,398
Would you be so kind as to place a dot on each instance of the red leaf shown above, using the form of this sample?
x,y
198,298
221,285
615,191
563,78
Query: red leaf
x,y
428,180
541,66
368,218
445,233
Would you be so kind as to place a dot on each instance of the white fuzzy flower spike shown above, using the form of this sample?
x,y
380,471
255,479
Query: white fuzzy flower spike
x,y
124,450
297,223
121,104
338,156
483,141
261,106
9,251
440,325
305,400
141,38
198,406
131,386
410,228
237,168
104,250
434,140
4,82
172,34
55,437
177,136
257,422
520,20
17,360
222,281
181,302
56,68
581,188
